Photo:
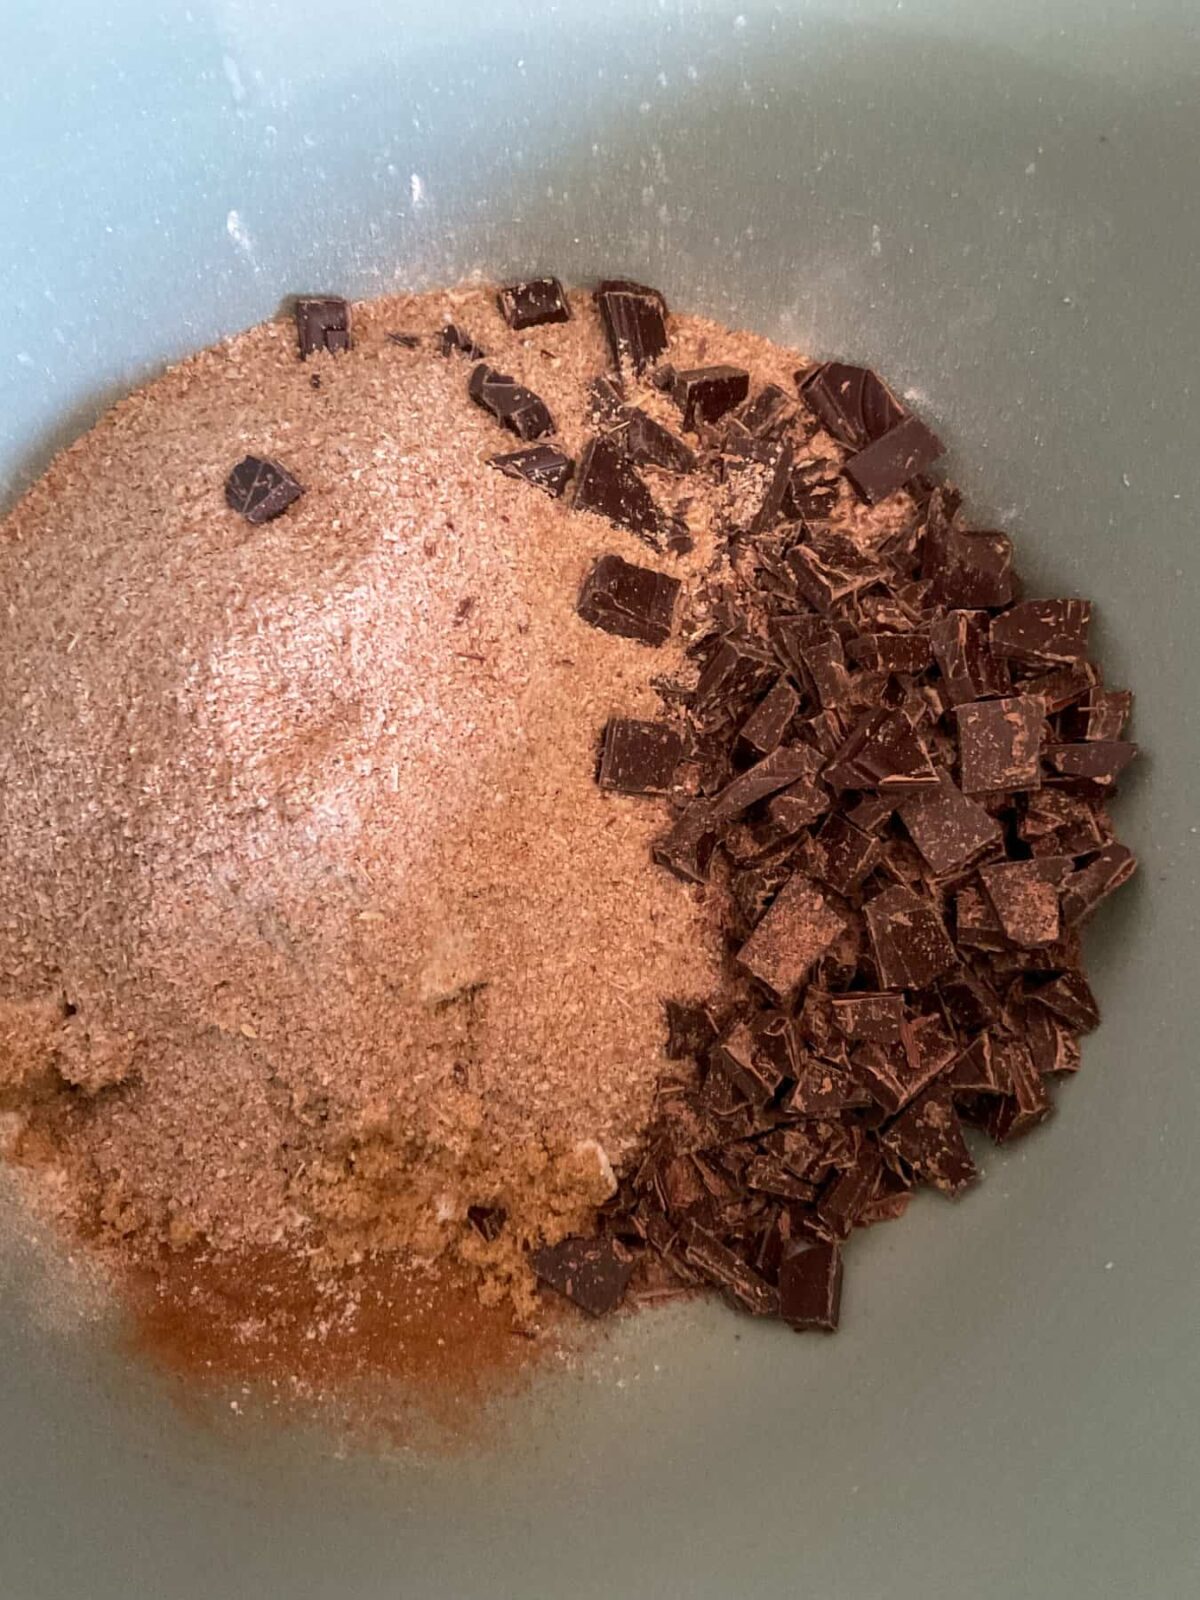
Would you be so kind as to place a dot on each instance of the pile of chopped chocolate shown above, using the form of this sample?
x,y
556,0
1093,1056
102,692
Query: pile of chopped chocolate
x,y
895,773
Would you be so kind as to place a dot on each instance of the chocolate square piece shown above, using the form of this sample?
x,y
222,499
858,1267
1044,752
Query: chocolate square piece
x,y
705,394
1096,761
649,443
766,725
322,323
810,1288
639,757
687,849
690,1030
949,829
260,490
828,567
541,465
533,301
1025,902
1042,632
874,1018
633,602
912,948
891,460
969,570
928,1139
635,321
853,403
794,933
607,483
841,855
999,743
593,1273
969,669
512,405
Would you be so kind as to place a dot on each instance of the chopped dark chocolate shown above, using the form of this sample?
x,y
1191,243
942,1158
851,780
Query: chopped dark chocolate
x,y
260,490
1042,632
533,301
768,412
1098,761
1070,997
488,1221
1011,1115
739,1055
852,402
687,849
950,830
753,489
912,948
764,728
593,1273
650,444
541,465
819,1089
633,602
969,570
828,567
691,1032
794,933
812,493
870,1017
639,757
607,483
979,1069
928,1139
810,1288
887,464
798,806
456,341
705,394
406,341
882,752
891,652
1000,744
635,321
843,1202
842,855
512,405
777,771
1025,902
322,323
969,670
606,400
1102,716
720,1266
1084,890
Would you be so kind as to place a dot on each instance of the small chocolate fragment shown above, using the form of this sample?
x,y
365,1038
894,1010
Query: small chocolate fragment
x,y
718,1264
976,924
822,1090
777,771
1054,1048
891,652
632,602
1026,904
887,464
882,752
456,341
1103,875
639,757
928,1139
533,301
687,849
593,1273
1098,761
853,403
828,567
1062,686
812,648
1017,1113
798,806
607,484
912,948
406,341
1042,632
894,1074
740,1056
754,487
541,465
810,1288
876,1018
1101,717
969,670
949,829
512,405
1000,744
844,1201
1070,997
979,1069
795,932
842,855
705,394
260,489
691,1032
766,725
969,570
812,493
322,323
606,400
769,411
650,444
488,1221
635,321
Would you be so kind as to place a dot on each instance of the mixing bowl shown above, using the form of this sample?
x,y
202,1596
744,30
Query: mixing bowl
x,y
998,206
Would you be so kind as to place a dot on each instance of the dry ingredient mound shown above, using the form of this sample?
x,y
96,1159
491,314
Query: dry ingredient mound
x,y
315,928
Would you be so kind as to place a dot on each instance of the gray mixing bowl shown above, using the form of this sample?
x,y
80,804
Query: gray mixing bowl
x,y
998,205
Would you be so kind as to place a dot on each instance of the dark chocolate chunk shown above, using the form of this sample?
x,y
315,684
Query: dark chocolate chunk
x,y
1101,717
260,489
820,1089
1070,997
1042,632
812,648
606,400
635,321
876,1018
798,806
1011,1115
1025,902
607,483
912,948
969,670
1000,744
976,924
854,405
456,341
512,405
979,1070
769,411
753,489
639,757
1101,876
716,1263
891,652
842,855
1098,761
810,1288
812,493
687,849
1054,1048
843,1202
633,602
593,1273
406,341
928,1139
969,570
767,1175
949,829
756,1072
887,464
794,933
764,728
322,323
488,1221
705,394
691,1032
541,465
533,301
828,567
777,771
895,1073
650,444
882,752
